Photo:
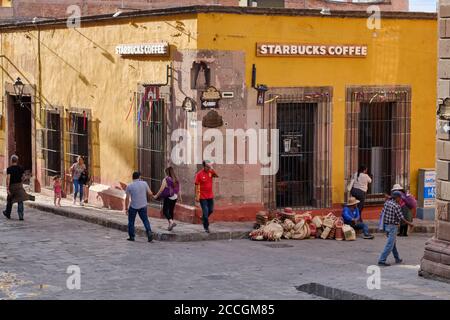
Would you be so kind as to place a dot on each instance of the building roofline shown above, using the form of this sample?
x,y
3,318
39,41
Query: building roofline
x,y
197,9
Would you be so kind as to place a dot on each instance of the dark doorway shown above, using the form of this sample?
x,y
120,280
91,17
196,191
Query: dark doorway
x,y
296,124
375,144
21,133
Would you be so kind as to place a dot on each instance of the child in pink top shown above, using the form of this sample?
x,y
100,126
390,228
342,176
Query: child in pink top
x,y
57,188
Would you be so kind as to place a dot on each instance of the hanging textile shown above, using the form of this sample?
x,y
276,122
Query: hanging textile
x,y
84,120
141,107
131,106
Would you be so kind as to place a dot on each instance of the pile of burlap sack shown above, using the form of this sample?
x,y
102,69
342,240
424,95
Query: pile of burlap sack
x,y
298,226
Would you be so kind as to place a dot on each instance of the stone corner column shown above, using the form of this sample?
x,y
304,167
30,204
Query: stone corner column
x,y
436,260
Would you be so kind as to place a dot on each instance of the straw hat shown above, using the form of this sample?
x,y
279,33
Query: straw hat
x,y
352,201
397,187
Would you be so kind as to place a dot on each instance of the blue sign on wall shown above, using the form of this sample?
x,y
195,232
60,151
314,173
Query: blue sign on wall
x,y
429,193
429,189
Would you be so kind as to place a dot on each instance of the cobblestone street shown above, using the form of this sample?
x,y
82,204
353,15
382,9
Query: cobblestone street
x,y
35,255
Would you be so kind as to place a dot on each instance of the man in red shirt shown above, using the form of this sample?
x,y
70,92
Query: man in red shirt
x,y
204,191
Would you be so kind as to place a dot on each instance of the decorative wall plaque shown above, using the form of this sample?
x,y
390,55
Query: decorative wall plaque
x,y
210,98
188,104
212,120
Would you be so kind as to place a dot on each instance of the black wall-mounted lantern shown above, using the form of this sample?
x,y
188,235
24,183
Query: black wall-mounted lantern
x,y
261,98
18,90
261,88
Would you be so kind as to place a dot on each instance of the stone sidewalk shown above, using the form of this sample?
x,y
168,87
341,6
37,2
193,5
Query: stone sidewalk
x,y
118,220
182,232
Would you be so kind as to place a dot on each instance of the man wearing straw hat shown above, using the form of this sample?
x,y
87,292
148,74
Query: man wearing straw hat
x,y
352,217
407,204
391,218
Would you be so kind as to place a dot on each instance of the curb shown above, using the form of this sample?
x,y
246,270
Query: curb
x,y
173,237
417,229
140,231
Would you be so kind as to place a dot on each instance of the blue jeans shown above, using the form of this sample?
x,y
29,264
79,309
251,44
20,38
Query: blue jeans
x,y
78,187
362,226
20,209
132,218
391,231
207,209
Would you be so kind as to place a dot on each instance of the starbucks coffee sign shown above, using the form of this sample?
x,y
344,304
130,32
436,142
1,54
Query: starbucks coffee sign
x,y
143,49
310,50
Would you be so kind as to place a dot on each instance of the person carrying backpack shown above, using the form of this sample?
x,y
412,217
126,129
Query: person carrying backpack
x,y
408,203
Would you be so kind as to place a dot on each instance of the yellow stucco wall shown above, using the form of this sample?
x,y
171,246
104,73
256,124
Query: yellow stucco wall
x,y
5,3
403,52
80,69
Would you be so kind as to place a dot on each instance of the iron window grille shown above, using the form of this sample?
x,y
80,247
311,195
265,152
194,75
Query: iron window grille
x,y
78,128
151,139
303,118
378,135
51,146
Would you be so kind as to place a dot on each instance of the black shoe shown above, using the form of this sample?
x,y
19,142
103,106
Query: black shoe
x,y
369,236
8,216
398,261
207,230
130,239
384,264
150,237
21,219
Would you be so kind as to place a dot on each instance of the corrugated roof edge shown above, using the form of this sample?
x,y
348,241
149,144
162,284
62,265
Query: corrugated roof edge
x,y
217,9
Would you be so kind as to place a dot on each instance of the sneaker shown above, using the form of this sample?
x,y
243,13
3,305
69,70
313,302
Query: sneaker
x,y
150,237
207,230
74,201
398,261
81,204
130,239
383,264
8,216
369,236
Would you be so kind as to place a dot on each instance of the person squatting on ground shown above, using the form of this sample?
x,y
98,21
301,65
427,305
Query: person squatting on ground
x,y
352,217
15,190
391,216
76,171
138,190
170,194
57,190
359,186
204,191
